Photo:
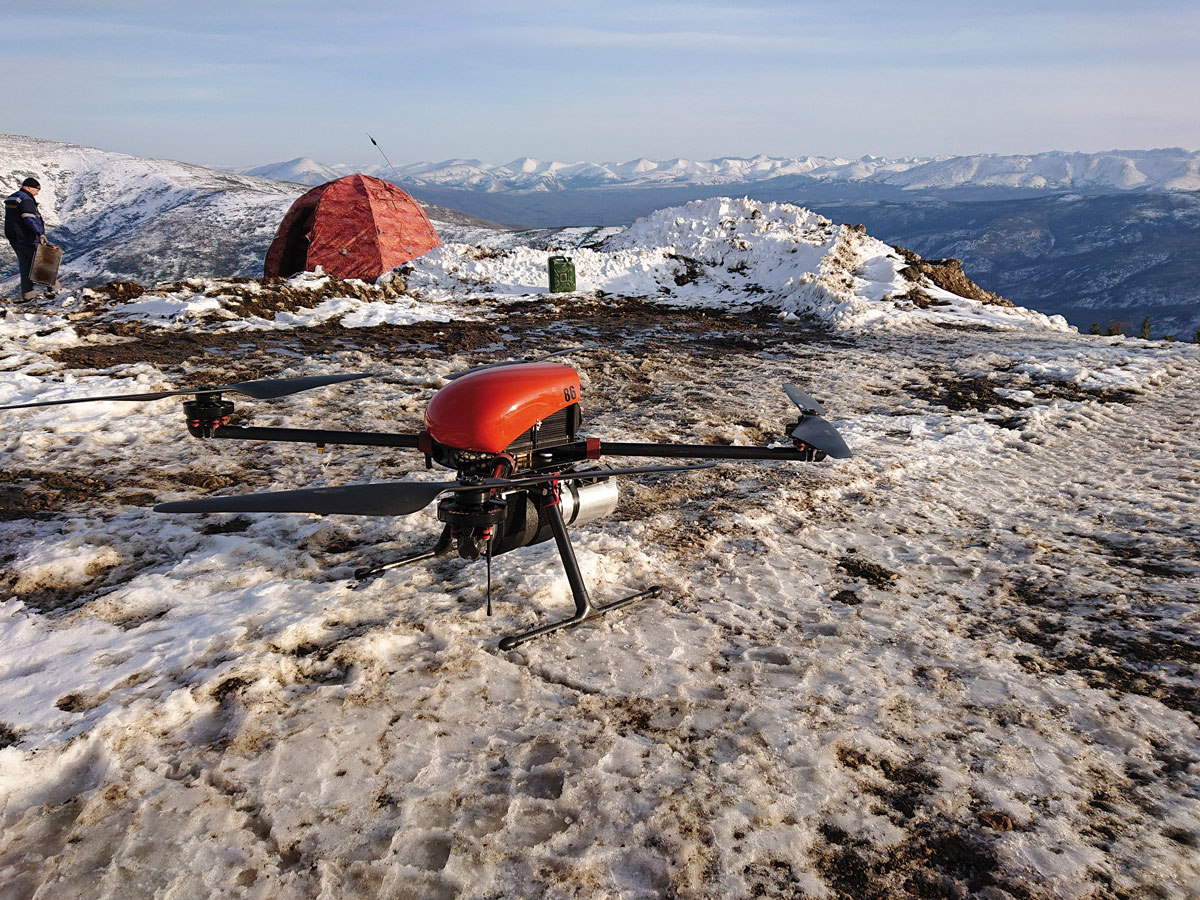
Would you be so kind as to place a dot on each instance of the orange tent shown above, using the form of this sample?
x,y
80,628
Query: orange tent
x,y
355,227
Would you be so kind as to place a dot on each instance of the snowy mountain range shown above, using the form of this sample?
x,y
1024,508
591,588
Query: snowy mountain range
x,y
1172,169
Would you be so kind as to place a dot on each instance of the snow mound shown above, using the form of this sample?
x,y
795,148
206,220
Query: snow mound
x,y
731,253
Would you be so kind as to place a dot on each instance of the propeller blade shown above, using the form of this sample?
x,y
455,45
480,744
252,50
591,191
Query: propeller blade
x,y
264,389
816,432
395,498
272,388
398,498
514,362
806,402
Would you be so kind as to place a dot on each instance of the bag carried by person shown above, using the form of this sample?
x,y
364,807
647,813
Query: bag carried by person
x,y
46,260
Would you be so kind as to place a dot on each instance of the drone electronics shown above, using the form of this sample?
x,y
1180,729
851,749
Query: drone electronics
x,y
509,430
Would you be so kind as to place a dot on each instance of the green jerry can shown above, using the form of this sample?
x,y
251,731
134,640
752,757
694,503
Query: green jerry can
x,y
562,275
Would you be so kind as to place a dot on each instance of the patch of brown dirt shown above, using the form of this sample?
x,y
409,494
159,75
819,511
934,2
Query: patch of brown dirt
x,y
549,323
1124,654
874,574
947,274
917,297
959,393
120,291
939,860
28,494
267,296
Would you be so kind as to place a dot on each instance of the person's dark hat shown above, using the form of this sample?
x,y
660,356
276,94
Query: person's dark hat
x,y
32,182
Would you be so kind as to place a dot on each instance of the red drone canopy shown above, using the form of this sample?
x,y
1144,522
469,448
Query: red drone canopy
x,y
486,411
355,227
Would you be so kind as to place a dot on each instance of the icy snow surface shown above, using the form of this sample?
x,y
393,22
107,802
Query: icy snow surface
x,y
961,663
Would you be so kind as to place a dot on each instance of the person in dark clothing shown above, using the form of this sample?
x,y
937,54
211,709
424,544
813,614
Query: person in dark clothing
x,y
24,228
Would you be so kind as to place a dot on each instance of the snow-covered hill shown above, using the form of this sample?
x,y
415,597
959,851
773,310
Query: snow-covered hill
x,y
120,217
1171,169
115,215
961,663
125,218
1135,170
301,170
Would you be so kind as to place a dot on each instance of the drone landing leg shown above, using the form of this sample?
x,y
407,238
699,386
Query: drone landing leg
x,y
440,548
583,604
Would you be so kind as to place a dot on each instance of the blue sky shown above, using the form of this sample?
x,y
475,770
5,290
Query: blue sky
x,y
225,83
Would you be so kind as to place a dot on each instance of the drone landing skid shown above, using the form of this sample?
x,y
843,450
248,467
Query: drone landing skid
x,y
592,612
584,609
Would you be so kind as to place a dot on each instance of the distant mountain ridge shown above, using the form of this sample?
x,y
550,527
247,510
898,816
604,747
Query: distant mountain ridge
x,y
1170,169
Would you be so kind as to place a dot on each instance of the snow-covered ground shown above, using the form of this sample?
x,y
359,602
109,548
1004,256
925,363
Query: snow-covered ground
x,y
960,663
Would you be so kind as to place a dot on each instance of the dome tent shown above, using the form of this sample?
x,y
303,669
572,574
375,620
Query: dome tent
x,y
355,227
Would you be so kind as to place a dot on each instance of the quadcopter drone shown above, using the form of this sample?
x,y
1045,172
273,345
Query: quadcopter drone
x,y
509,430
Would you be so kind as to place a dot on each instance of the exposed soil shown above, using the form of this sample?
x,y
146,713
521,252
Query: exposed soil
x,y
948,275
940,859
545,323
858,567
959,393
1126,653
917,297
28,494
962,393
263,297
